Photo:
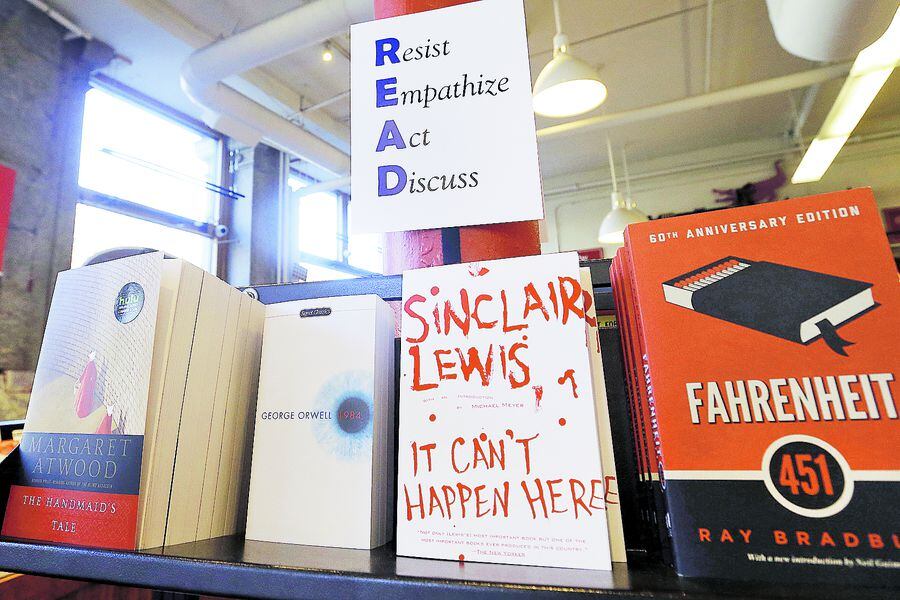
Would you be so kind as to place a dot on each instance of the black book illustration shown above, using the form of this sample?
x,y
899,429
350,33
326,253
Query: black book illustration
x,y
787,302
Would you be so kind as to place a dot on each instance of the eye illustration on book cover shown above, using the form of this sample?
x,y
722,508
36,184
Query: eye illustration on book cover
x,y
344,412
788,302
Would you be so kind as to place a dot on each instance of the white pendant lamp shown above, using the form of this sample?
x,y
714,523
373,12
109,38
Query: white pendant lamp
x,y
624,210
567,86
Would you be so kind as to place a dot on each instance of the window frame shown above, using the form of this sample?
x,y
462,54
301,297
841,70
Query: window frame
x,y
293,253
136,210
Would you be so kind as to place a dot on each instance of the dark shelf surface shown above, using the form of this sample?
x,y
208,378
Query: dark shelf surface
x,y
229,566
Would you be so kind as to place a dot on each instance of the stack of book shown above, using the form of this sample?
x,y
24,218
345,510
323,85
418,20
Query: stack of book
x,y
140,420
761,375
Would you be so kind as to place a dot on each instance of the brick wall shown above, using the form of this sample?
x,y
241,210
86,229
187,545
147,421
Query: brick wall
x,y
42,83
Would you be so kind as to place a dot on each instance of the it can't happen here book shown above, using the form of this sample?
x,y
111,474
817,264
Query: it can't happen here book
x,y
771,348
498,452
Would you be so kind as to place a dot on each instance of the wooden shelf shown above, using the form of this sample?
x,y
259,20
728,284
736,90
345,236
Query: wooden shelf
x,y
229,566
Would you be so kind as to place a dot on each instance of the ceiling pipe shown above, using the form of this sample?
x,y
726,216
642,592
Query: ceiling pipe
x,y
326,102
806,105
704,164
734,94
247,121
60,18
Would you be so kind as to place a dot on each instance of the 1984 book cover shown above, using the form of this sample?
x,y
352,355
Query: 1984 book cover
x,y
82,447
771,347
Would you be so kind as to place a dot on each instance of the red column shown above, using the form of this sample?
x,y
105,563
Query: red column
x,y
415,249
394,8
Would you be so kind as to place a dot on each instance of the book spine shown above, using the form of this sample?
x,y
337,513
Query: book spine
x,y
664,522
652,431
652,517
640,470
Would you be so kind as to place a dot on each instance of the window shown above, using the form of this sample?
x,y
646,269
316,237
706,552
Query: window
x,y
147,180
320,238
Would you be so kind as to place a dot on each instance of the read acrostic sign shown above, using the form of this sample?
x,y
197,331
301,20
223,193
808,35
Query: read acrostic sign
x,y
442,122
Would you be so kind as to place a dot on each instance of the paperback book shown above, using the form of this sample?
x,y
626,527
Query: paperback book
x,y
83,442
499,453
763,359
326,404
604,424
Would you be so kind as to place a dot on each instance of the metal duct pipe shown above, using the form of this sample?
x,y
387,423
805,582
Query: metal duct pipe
x,y
243,118
734,94
61,19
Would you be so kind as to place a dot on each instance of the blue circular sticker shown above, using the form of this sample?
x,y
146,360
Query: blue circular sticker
x,y
129,302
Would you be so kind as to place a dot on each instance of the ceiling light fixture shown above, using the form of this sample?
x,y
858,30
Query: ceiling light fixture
x,y
327,54
567,86
870,70
624,211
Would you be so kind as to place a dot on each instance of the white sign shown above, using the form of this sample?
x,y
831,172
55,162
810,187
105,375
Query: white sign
x,y
442,120
498,452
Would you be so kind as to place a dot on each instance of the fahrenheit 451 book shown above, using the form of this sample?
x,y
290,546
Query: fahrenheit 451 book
x,y
768,351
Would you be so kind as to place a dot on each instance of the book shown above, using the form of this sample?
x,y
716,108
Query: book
x,y
651,499
83,443
627,492
119,429
230,454
604,425
499,457
179,301
769,371
326,401
212,469
197,412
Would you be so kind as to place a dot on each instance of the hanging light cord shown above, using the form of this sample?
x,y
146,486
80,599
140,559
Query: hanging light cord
x,y
627,178
556,15
612,165
560,41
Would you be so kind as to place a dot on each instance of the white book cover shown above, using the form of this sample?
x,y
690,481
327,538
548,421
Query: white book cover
x,y
498,456
311,479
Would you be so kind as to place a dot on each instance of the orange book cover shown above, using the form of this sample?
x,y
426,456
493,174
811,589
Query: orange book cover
x,y
770,336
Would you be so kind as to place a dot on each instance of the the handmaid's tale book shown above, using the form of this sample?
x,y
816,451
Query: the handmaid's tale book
x,y
84,433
